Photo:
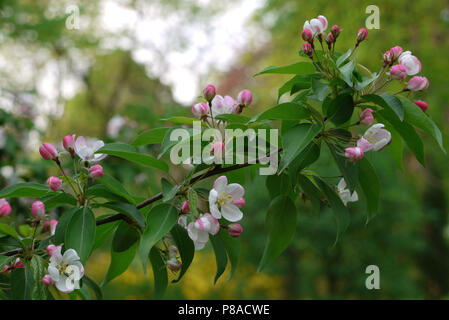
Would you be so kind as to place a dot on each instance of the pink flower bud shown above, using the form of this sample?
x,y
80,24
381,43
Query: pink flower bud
x,y
18,264
47,280
235,230
240,202
367,117
38,209
185,208
245,97
50,226
354,153
411,63
361,35
418,83
54,183
335,30
48,151
50,249
200,110
388,58
422,104
69,144
174,264
396,52
307,49
209,92
307,35
330,38
398,72
6,269
173,251
5,208
96,171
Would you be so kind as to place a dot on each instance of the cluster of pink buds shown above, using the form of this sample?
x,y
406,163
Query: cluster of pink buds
x,y
217,104
375,138
16,264
408,65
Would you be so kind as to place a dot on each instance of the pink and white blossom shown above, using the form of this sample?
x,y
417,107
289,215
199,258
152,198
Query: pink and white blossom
x,y
411,63
224,105
398,72
354,153
66,270
48,151
200,229
222,199
200,110
85,148
375,138
245,97
345,195
418,83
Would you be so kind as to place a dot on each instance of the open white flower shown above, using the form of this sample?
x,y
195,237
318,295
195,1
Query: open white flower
x,y
200,229
86,148
224,105
345,194
375,138
65,270
222,198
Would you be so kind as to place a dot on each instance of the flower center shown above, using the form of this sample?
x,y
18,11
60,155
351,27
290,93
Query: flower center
x,y
223,199
65,269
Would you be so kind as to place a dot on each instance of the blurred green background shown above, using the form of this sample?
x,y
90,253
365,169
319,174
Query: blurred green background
x,y
113,83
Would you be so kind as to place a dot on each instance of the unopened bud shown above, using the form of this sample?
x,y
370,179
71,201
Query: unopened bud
x,y
209,92
235,230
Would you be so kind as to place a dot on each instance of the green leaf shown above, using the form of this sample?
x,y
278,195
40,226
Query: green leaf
x,y
94,286
183,120
152,136
295,140
386,101
4,260
169,191
80,234
407,132
305,158
415,116
120,261
347,168
159,272
26,190
284,111
160,220
128,210
232,246
340,109
21,283
221,258
38,290
281,224
296,68
233,118
59,199
124,237
61,227
115,186
343,57
396,147
370,184
320,90
311,190
341,213
7,229
101,191
278,184
103,232
185,246
346,72
128,152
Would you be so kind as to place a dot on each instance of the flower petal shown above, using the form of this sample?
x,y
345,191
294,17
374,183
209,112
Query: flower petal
x,y
53,272
214,211
65,285
220,184
235,190
70,256
231,213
